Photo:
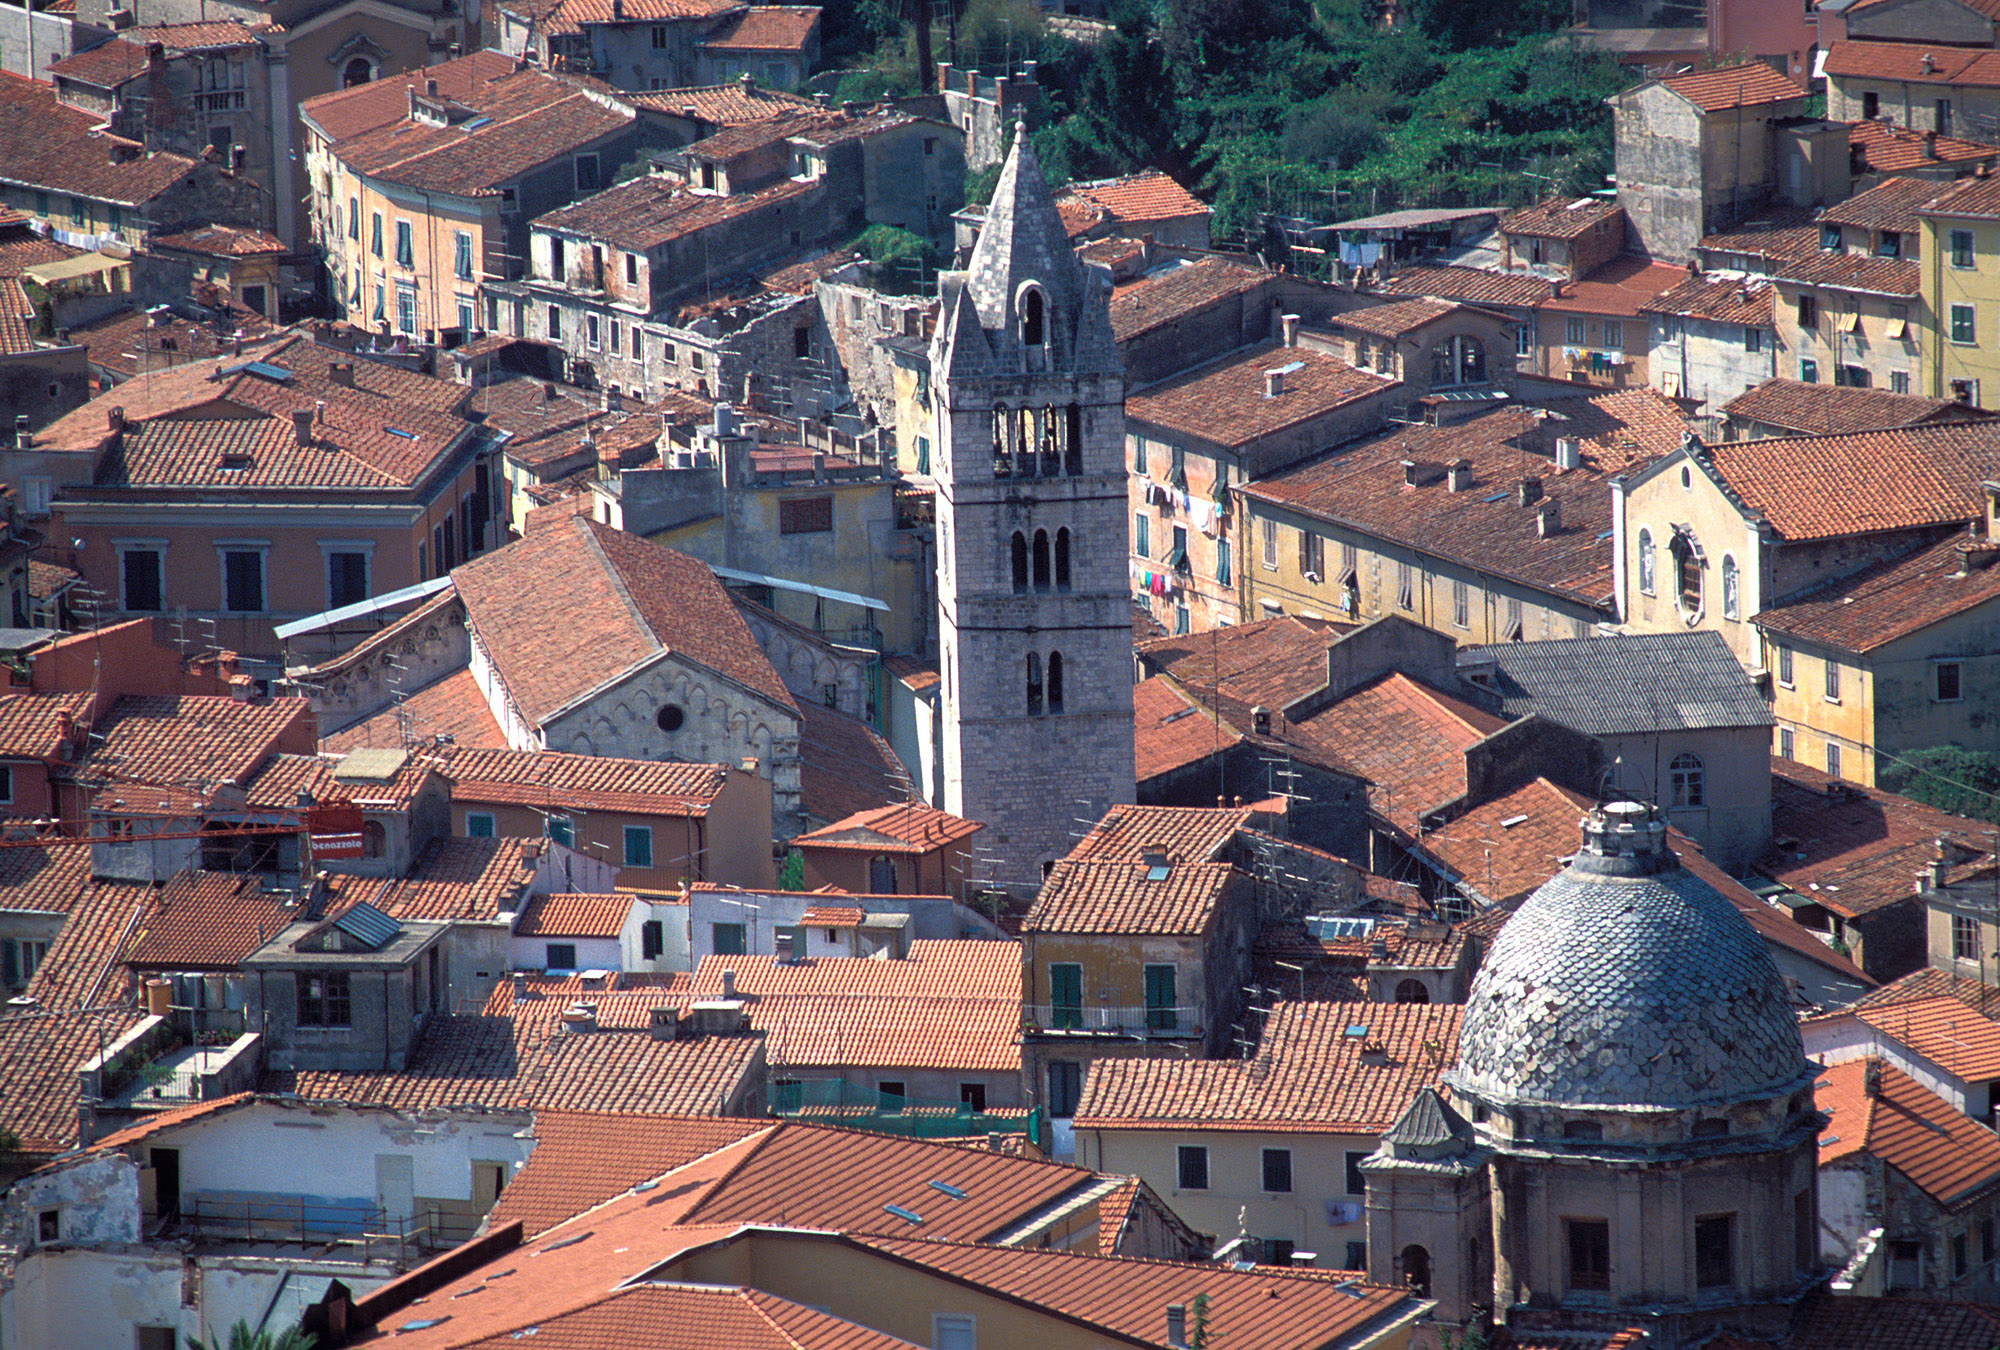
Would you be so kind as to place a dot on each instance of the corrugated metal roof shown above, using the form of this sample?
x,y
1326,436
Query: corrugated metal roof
x,y
1625,684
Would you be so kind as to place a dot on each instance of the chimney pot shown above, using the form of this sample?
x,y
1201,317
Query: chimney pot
x,y
1274,383
342,374
1548,517
1458,475
116,417
302,425
1569,454
1871,1078
1530,491
1289,325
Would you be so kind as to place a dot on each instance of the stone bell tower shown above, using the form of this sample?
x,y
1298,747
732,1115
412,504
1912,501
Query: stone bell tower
x,y
1035,623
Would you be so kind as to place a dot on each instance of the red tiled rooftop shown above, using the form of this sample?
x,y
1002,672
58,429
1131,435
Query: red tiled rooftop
x,y
1944,1153
1225,402
768,28
1913,62
1891,600
1825,487
453,706
903,827
1116,896
574,916
1561,218
1619,289
1741,86
1833,409
1161,298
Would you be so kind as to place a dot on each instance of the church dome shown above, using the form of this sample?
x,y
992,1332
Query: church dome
x,y
1628,981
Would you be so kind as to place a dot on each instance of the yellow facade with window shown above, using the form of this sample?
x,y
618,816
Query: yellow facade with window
x,y
1961,295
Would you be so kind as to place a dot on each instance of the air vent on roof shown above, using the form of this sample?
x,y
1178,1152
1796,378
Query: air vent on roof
x,y
561,1243
1355,1030
236,460
953,1191
906,1215
477,123
1512,821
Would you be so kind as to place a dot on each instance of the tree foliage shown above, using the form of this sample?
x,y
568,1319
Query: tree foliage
x,y
1949,777
242,1338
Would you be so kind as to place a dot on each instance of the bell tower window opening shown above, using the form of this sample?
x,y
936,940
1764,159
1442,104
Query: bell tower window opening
x,y
1034,684
1062,559
1073,441
1052,455
1032,327
1055,690
1020,563
1041,560
1003,463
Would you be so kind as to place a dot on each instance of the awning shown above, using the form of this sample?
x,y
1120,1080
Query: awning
x,y
804,588
67,269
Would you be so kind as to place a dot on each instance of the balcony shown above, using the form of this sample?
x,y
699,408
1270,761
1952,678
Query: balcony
x,y
1159,1022
355,1226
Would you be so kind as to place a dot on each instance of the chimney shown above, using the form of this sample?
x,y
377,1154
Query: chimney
x,y
781,942
1530,491
430,88
749,83
1289,325
1548,517
664,1024
1260,721
116,418
1569,454
1871,1078
1930,145
612,400
1458,475
342,374
1274,383
302,425
1177,1324
580,1016
1929,63
412,92
729,983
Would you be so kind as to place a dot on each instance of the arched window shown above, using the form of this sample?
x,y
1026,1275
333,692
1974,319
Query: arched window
x,y
1062,559
1034,684
1020,563
1041,560
1730,602
1052,458
358,71
1073,442
1416,1263
1412,991
374,839
1646,561
1031,318
1686,783
1055,682
1003,463
1687,574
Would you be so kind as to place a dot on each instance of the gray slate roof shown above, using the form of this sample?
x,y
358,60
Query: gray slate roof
x,y
1625,684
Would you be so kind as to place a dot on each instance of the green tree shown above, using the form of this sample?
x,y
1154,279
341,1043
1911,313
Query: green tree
x,y
242,1338
1127,115
1949,777
792,872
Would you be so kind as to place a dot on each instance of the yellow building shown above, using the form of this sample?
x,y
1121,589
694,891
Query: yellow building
x,y
1961,292
421,191
1271,1147
1902,656
1850,310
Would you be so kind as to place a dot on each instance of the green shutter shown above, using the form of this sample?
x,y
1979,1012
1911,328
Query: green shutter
x,y
1160,1015
1065,995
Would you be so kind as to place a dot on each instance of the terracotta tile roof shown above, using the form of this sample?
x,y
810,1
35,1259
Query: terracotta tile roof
x,y
474,879
723,105
1310,1074
226,423
1853,272
581,916
1272,662
1473,285
120,340
283,777
162,1121
832,916
572,607
1920,986
1619,289
1626,1338
1261,1309
21,248
1139,198
966,967
1161,298
17,318
584,782
206,921
28,721
550,423
768,28
1961,1040
1197,834
647,212
1827,487
47,144
846,767
694,1317
1395,318
1718,299
1224,402
1898,150
1113,896
1364,487
1559,219
346,113
1170,730
1913,62
1776,928
1827,1322
581,1159
1407,739
1833,409
906,827
1944,1153
40,1053
569,16
1507,847
452,706
44,880
1890,205
1978,198
1777,232
222,241
498,131
204,35
193,740
1742,86
1890,600
105,66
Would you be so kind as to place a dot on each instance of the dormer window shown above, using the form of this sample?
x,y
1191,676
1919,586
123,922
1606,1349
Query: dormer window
x,y
1829,238
1889,244
1033,331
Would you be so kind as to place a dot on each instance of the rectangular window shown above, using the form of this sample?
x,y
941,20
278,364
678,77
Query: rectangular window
x,y
1065,995
1312,555
1889,244
461,255
1357,1184
555,322
346,578
324,1000
1614,334
1899,381
1065,1086
381,302
1139,455
1808,370
559,956
1193,1159
1269,531
144,591
1833,759
638,846
1715,1251
1573,333
406,310
1160,1011
953,1331
1948,681
590,331
466,321
243,581
354,219
805,515
659,37
586,173
1832,680
561,828
406,253
375,234
1406,589
1961,249
1524,340
1142,533
890,1095
1963,330
1589,1253
1808,312
1785,666
1787,744
728,939
1964,938
479,824
652,939
1278,1170
1461,605
1753,339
